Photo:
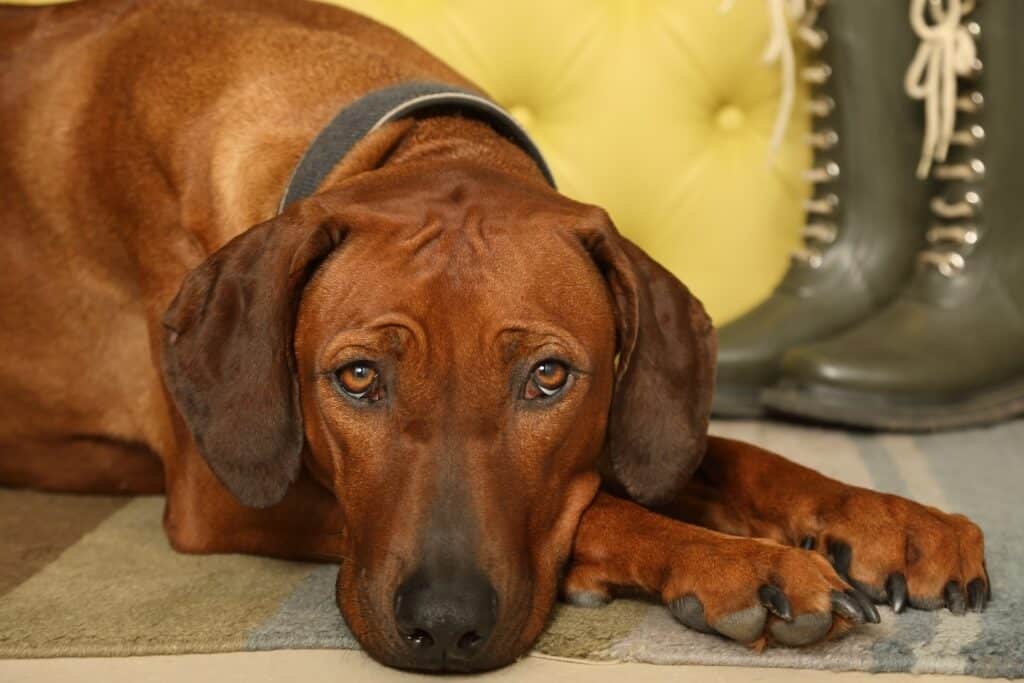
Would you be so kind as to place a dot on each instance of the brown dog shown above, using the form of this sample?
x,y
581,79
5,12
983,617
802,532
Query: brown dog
x,y
436,370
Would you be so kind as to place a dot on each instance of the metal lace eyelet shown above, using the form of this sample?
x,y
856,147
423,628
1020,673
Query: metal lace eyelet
x,y
971,103
822,233
970,171
967,207
812,37
957,234
954,265
821,106
948,263
816,74
824,140
822,206
823,174
973,199
971,137
810,257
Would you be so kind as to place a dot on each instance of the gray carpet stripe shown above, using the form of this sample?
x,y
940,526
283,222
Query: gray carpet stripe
x,y
878,461
308,618
990,461
895,653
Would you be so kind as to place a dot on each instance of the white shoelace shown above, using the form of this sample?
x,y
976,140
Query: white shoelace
x,y
779,50
947,50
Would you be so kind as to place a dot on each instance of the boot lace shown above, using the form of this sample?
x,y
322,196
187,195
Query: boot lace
x,y
820,229
779,50
947,53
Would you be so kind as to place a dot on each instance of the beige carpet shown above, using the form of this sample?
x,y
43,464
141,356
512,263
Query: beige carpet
x,y
88,576
332,666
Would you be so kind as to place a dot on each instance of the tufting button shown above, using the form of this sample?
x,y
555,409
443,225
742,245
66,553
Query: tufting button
x,y
655,83
730,117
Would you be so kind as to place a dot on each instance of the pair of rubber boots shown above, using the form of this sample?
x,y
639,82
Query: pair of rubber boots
x,y
905,308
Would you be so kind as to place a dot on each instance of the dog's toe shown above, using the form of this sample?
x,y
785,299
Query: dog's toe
x,y
922,557
803,630
689,610
744,626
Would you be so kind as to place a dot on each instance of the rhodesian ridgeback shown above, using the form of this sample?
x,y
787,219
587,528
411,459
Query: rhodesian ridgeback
x,y
473,393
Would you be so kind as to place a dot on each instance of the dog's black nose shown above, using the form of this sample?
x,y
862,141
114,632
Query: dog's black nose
x,y
445,619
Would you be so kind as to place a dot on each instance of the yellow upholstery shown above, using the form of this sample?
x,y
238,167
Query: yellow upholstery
x,y
658,110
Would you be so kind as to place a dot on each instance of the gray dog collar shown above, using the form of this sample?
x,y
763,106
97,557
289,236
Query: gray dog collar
x,y
373,110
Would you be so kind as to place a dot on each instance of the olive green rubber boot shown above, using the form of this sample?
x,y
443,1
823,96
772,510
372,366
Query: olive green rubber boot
x,y
949,351
865,218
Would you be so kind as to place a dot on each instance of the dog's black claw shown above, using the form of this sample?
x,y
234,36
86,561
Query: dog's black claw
x,y
846,607
775,601
808,543
955,598
841,555
866,606
976,595
896,589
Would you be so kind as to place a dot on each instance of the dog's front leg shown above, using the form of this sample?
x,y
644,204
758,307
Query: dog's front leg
x,y
891,548
751,590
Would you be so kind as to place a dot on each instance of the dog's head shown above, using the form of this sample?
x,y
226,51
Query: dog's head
x,y
456,355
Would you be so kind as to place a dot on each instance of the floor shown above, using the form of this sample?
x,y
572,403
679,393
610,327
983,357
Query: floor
x,y
314,666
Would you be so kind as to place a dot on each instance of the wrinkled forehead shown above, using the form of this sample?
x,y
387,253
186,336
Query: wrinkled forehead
x,y
463,256
400,197
465,277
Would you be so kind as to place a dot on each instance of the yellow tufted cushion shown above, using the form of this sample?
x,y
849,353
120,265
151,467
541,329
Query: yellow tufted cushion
x,y
658,110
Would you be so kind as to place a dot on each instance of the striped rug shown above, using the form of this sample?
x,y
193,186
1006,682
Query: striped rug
x,y
88,576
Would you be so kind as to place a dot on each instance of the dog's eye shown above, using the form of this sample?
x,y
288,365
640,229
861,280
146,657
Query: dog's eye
x,y
547,378
360,380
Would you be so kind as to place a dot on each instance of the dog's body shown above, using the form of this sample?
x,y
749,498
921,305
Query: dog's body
x,y
154,341
98,273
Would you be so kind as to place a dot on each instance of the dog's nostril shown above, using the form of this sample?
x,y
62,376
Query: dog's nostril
x,y
420,638
446,619
469,641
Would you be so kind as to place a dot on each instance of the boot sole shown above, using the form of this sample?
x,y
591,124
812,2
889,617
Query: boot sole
x,y
737,403
879,411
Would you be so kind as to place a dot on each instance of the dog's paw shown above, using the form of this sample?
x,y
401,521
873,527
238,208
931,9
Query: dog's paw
x,y
903,553
760,592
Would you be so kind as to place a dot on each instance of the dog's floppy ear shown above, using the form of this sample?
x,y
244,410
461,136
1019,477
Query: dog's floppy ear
x,y
657,428
228,357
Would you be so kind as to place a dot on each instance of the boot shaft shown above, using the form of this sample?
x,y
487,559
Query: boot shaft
x,y
976,228
867,208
